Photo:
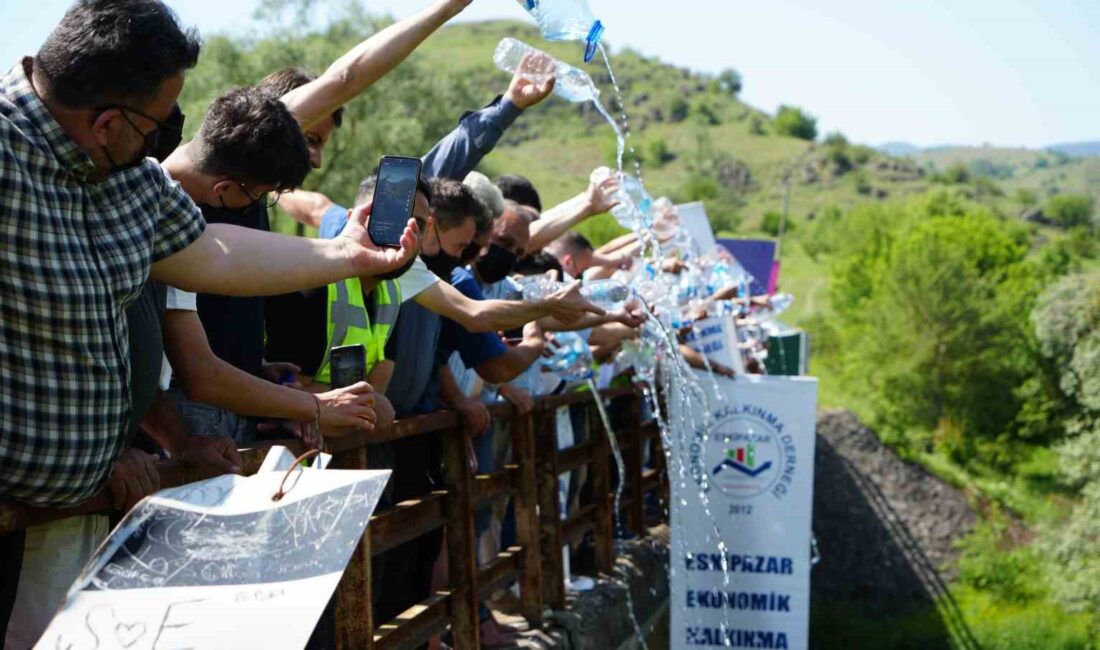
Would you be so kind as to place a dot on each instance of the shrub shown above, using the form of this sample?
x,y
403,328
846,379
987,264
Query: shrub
x,y
730,81
1070,210
679,110
657,152
792,122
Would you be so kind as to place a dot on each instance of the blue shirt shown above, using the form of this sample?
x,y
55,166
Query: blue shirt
x,y
474,349
452,157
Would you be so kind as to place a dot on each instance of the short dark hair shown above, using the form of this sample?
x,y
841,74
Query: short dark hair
x,y
539,263
520,190
280,83
107,52
453,203
366,188
250,137
575,242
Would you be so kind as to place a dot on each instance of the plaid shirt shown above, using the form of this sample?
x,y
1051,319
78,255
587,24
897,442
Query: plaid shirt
x,y
73,256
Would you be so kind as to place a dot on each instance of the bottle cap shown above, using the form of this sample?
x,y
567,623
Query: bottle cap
x,y
592,41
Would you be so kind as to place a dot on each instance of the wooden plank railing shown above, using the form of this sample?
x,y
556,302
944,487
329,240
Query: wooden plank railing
x,y
535,562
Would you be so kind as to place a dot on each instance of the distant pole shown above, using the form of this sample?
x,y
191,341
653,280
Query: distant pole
x,y
783,218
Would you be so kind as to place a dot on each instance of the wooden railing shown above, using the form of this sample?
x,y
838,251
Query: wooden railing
x,y
535,562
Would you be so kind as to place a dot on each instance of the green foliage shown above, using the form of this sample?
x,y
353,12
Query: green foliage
x,y
706,110
955,174
1070,210
657,152
793,122
934,297
990,562
730,81
756,125
1025,197
679,110
773,221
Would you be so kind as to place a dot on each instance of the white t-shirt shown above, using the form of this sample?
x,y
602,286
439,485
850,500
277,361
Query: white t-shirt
x,y
416,280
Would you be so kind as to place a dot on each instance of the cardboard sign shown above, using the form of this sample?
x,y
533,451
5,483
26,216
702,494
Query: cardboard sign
x,y
741,516
219,564
716,338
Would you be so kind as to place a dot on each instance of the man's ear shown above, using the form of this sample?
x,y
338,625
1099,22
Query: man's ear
x,y
223,186
105,124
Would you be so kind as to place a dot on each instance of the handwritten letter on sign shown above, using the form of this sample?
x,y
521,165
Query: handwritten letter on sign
x,y
219,564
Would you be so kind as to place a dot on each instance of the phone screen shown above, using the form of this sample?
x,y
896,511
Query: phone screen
x,y
394,195
348,365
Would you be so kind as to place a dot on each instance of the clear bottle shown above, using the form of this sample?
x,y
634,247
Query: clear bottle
x,y
570,359
610,294
634,210
566,20
572,84
537,287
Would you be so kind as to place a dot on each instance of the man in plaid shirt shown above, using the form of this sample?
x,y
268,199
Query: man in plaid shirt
x,y
85,218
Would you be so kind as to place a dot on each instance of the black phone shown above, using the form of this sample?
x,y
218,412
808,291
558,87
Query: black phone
x,y
348,365
394,195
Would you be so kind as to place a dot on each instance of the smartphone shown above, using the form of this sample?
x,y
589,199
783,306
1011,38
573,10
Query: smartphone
x,y
394,195
348,365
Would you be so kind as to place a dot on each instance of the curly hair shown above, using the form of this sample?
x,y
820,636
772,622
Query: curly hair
x,y
250,137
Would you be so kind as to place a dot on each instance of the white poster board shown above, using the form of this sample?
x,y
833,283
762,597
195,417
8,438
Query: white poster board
x,y
219,564
741,544
693,217
716,338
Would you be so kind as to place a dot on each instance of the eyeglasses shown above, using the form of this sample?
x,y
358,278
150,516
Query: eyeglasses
x,y
270,199
152,138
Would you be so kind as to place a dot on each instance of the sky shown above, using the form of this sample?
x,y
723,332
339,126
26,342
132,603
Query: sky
x,y
1007,73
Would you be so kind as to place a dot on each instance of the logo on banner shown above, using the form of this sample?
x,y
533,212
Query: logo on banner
x,y
746,454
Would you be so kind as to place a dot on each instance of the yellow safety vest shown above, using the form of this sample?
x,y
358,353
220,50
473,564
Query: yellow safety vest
x,y
349,321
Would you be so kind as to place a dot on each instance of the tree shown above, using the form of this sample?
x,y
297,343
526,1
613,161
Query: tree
x,y
791,121
730,81
1067,325
933,298
1070,210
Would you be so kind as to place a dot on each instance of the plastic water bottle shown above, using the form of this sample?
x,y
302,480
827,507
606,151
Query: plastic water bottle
x,y
571,358
566,20
572,84
537,287
724,308
610,295
634,206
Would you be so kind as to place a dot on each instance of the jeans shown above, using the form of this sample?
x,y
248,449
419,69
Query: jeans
x,y
204,420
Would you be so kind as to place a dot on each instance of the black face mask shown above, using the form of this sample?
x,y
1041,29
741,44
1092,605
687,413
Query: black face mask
x,y
150,141
171,134
441,264
496,264
235,216
469,254
398,272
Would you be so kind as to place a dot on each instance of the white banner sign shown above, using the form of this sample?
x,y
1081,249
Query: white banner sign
x,y
693,218
741,544
219,564
716,338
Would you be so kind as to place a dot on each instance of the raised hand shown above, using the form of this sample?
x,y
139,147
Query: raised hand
x,y
525,93
370,259
601,194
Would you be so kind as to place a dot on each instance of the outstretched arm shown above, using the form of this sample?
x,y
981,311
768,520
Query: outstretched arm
x,y
555,222
566,306
233,261
367,62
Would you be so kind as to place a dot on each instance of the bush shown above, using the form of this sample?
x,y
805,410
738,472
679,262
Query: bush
x,y
1025,197
704,108
1070,210
792,122
679,110
756,125
771,223
730,81
657,152
955,174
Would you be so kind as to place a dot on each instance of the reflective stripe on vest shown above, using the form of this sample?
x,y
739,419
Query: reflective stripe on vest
x,y
349,324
